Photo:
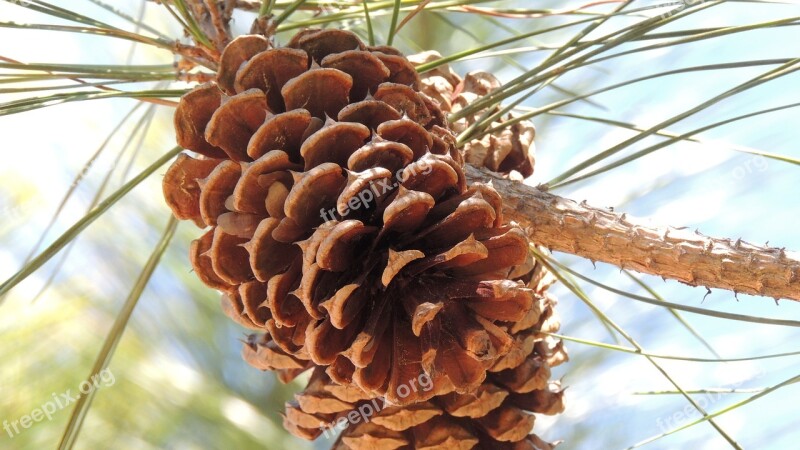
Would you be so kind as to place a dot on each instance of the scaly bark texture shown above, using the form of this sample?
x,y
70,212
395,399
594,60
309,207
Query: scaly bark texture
x,y
680,254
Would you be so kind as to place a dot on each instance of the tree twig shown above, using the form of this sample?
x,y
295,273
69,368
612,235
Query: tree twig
x,y
673,253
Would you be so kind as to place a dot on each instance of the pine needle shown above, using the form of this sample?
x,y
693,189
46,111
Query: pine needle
x,y
139,23
635,351
143,125
83,403
674,313
769,390
679,137
784,69
411,15
370,32
81,224
77,181
288,11
679,307
393,26
544,260
29,104
266,8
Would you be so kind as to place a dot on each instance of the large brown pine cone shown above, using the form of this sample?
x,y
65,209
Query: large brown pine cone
x,y
511,149
340,221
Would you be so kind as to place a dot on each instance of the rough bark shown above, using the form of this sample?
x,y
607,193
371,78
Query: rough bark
x,y
680,254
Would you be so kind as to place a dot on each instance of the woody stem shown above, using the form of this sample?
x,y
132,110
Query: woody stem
x,y
690,257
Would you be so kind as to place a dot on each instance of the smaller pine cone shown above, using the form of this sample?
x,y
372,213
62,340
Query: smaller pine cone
x,y
511,149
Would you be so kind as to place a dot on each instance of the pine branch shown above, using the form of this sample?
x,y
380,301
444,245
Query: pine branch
x,y
679,254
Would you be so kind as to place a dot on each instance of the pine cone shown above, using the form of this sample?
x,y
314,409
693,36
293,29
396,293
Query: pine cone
x,y
506,151
497,415
340,219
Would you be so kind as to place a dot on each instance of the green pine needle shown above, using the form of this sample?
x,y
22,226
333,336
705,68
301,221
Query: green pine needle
x,y
722,411
81,225
83,403
679,307
545,260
